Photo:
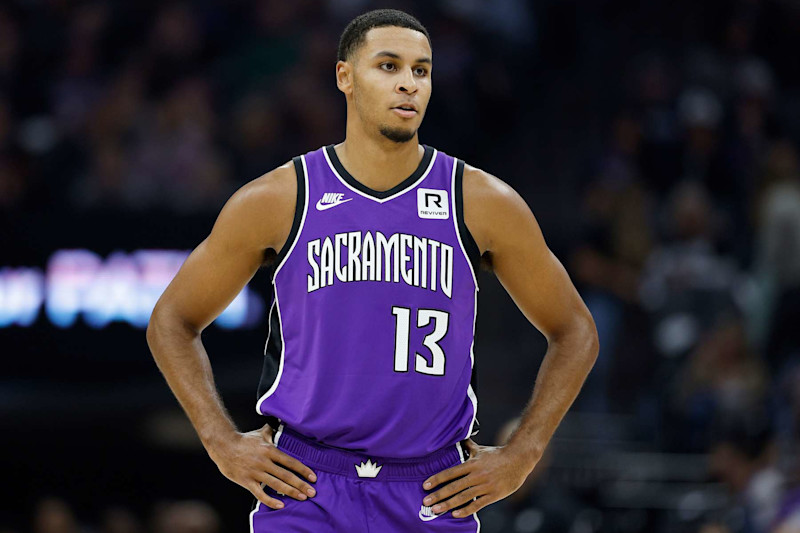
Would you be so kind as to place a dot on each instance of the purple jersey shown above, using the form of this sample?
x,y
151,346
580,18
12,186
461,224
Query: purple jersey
x,y
373,314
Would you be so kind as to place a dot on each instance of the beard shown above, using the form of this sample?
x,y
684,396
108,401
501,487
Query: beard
x,y
397,135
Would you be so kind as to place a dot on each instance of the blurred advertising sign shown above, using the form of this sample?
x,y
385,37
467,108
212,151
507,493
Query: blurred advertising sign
x,y
123,287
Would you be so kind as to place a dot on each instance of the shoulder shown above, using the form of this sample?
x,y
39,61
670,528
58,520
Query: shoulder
x,y
278,185
491,206
261,211
490,189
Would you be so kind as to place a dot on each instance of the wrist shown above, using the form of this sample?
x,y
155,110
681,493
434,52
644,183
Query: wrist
x,y
214,438
526,454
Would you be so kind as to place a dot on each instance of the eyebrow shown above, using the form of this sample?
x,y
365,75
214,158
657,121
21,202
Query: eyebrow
x,y
386,53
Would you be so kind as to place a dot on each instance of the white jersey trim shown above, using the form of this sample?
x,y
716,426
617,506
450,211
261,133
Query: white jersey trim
x,y
277,436
254,511
381,200
470,393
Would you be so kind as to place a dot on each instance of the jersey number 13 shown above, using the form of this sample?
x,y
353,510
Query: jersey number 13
x,y
402,336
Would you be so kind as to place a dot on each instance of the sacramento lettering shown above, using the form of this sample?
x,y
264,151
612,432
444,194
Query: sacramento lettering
x,y
358,256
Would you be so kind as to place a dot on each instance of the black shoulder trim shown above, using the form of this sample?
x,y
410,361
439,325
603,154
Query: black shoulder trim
x,y
300,205
471,247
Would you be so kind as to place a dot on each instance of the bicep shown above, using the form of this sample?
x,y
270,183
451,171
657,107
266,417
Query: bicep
x,y
531,274
210,278
256,218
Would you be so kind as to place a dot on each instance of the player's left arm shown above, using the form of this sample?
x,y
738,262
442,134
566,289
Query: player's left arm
x,y
504,228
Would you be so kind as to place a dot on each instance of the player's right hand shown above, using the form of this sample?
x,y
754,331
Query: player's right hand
x,y
253,461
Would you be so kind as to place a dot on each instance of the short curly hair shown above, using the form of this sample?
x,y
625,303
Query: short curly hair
x,y
355,33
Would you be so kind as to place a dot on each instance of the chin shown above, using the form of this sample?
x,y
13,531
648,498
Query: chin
x,y
398,135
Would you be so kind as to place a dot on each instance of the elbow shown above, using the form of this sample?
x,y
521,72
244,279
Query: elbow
x,y
579,337
164,324
592,340
153,328
586,331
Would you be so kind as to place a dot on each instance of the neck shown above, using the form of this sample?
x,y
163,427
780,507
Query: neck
x,y
377,162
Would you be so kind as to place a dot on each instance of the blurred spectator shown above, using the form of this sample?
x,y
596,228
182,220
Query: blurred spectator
x,y
105,183
175,46
655,83
106,139
615,242
788,427
778,251
700,112
9,49
788,516
720,378
79,84
687,283
607,266
120,520
714,527
743,457
53,515
687,286
13,169
185,517
257,126
173,160
788,403
122,107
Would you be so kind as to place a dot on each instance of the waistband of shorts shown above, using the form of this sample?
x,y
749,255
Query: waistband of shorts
x,y
351,463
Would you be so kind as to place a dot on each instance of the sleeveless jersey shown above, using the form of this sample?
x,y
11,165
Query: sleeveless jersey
x,y
372,320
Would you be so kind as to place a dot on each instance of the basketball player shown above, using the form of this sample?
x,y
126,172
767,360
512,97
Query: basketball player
x,y
373,247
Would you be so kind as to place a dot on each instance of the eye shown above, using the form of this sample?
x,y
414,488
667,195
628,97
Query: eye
x,y
421,71
388,67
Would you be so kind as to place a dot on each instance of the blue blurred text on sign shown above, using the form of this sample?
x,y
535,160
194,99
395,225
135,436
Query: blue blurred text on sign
x,y
124,287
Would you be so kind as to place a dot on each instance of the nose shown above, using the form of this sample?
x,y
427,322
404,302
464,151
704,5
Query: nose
x,y
407,84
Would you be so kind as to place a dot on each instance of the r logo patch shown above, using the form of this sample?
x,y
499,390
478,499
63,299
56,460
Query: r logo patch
x,y
433,203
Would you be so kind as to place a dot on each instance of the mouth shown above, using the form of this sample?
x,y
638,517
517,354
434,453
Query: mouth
x,y
405,110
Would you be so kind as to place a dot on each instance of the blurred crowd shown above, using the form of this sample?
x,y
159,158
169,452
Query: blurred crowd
x,y
668,131
689,258
140,106
54,515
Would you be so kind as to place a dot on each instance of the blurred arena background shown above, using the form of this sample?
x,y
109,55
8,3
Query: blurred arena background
x,y
657,143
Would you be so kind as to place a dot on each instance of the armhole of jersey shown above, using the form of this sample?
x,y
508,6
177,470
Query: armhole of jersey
x,y
470,246
273,349
299,212
472,251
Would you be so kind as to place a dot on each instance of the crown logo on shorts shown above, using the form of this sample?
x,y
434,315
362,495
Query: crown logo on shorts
x,y
368,469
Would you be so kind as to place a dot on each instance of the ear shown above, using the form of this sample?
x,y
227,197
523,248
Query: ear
x,y
344,77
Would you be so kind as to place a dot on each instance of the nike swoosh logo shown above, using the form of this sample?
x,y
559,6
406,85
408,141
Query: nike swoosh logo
x,y
323,207
425,518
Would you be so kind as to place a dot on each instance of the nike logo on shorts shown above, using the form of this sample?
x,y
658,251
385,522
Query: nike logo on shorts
x,y
426,514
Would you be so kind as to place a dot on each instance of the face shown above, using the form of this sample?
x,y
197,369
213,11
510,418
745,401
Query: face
x,y
389,72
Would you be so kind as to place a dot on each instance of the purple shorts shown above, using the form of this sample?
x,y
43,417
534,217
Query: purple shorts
x,y
357,493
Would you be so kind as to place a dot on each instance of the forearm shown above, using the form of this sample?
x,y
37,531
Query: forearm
x,y
567,363
182,359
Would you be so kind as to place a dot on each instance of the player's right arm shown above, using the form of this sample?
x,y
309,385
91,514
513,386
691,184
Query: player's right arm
x,y
257,218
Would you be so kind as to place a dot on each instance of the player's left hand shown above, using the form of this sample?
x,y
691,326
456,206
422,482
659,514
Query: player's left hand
x,y
490,474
